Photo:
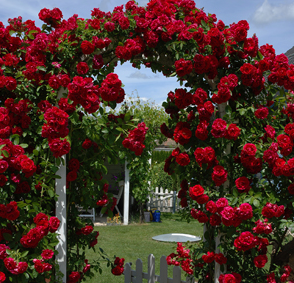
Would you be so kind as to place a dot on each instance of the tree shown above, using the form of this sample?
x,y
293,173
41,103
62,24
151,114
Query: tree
x,y
153,116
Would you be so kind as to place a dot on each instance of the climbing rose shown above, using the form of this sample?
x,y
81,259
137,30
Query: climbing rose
x,y
260,261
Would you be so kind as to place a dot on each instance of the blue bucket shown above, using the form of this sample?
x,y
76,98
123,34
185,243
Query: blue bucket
x,y
156,216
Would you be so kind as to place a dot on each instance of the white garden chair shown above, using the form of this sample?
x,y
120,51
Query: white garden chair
x,y
118,196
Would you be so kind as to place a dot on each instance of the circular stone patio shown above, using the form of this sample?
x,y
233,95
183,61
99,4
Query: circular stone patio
x,y
176,237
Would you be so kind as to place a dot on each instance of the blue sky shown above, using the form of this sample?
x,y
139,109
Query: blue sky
x,y
271,20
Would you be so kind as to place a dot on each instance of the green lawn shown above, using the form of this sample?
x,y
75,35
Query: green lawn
x,y
135,241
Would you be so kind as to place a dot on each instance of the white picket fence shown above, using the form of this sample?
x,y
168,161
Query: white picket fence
x,y
138,275
164,201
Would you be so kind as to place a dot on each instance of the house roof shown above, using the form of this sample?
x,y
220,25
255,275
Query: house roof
x,y
290,55
169,144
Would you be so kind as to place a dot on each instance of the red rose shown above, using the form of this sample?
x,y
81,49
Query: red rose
x,y
117,270
261,113
243,184
93,243
11,211
248,69
183,159
220,258
262,227
25,121
82,68
209,257
221,203
2,277
202,217
245,211
3,166
219,175
3,180
124,22
218,129
98,62
245,241
40,216
74,164
10,263
23,188
260,261
71,176
32,238
47,254
3,253
196,191
182,133
228,215
211,206
87,47
233,132
39,266
10,83
199,155
183,67
201,131
215,220
74,277
87,144
59,147
54,82
202,199
271,210
54,223
199,96
87,230
291,189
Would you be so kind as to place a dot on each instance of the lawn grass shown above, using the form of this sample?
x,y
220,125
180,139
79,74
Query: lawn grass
x,y
135,241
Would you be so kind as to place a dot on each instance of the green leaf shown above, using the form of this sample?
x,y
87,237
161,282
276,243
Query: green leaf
x,y
36,152
16,140
51,193
256,203
41,68
105,131
242,111
23,254
7,237
228,109
5,153
24,145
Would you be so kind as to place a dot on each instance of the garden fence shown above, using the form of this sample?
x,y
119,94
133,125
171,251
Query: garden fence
x,y
164,201
138,275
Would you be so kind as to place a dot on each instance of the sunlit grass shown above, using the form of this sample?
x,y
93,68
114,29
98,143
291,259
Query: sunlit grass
x,y
135,241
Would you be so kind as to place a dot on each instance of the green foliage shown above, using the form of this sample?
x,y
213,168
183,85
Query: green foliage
x,y
159,156
161,179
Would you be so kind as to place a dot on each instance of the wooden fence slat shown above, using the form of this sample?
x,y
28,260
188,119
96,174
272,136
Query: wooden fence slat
x,y
128,273
163,200
139,271
138,275
151,268
163,270
176,274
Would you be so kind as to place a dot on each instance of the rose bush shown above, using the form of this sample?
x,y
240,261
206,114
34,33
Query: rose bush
x,y
231,118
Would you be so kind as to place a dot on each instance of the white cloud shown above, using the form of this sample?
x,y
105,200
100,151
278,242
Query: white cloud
x,y
139,75
268,13
134,99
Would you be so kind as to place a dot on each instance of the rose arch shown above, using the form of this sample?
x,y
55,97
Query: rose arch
x,y
231,116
